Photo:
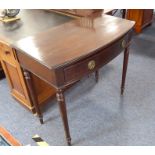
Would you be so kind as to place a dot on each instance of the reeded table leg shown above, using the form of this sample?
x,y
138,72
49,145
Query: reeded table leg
x,y
125,65
33,96
63,112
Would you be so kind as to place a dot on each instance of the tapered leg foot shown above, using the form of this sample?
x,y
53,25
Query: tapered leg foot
x,y
63,112
122,91
41,120
69,142
97,76
125,65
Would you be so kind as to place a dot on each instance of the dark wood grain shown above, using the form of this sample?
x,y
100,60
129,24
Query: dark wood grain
x,y
31,23
102,57
59,47
65,53
73,40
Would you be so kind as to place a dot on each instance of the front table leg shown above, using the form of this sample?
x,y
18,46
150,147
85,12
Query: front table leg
x,y
33,96
63,112
125,65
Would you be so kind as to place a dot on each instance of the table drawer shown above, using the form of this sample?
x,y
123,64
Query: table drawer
x,y
95,61
7,53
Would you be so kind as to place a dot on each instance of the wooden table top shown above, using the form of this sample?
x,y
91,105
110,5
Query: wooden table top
x,y
73,40
31,22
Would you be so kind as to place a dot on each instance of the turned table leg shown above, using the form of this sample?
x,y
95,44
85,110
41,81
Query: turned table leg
x,y
34,100
63,112
125,65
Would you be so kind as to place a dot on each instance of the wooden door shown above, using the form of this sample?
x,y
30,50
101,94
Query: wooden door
x,y
14,75
16,80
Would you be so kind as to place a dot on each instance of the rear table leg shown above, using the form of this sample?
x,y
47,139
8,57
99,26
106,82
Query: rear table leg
x,y
29,82
125,65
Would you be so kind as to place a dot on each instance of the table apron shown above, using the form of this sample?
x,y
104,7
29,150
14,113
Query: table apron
x,y
92,63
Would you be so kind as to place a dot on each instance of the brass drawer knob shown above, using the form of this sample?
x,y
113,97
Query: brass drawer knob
x,y
91,65
123,43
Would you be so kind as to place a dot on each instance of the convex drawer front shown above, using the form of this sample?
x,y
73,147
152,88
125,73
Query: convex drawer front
x,y
85,66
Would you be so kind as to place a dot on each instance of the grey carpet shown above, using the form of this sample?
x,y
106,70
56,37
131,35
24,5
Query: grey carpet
x,y
97,114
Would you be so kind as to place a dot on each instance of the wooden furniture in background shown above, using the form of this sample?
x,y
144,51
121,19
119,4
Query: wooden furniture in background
x,y
142,17
79,48
14,31
78,12
16,80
